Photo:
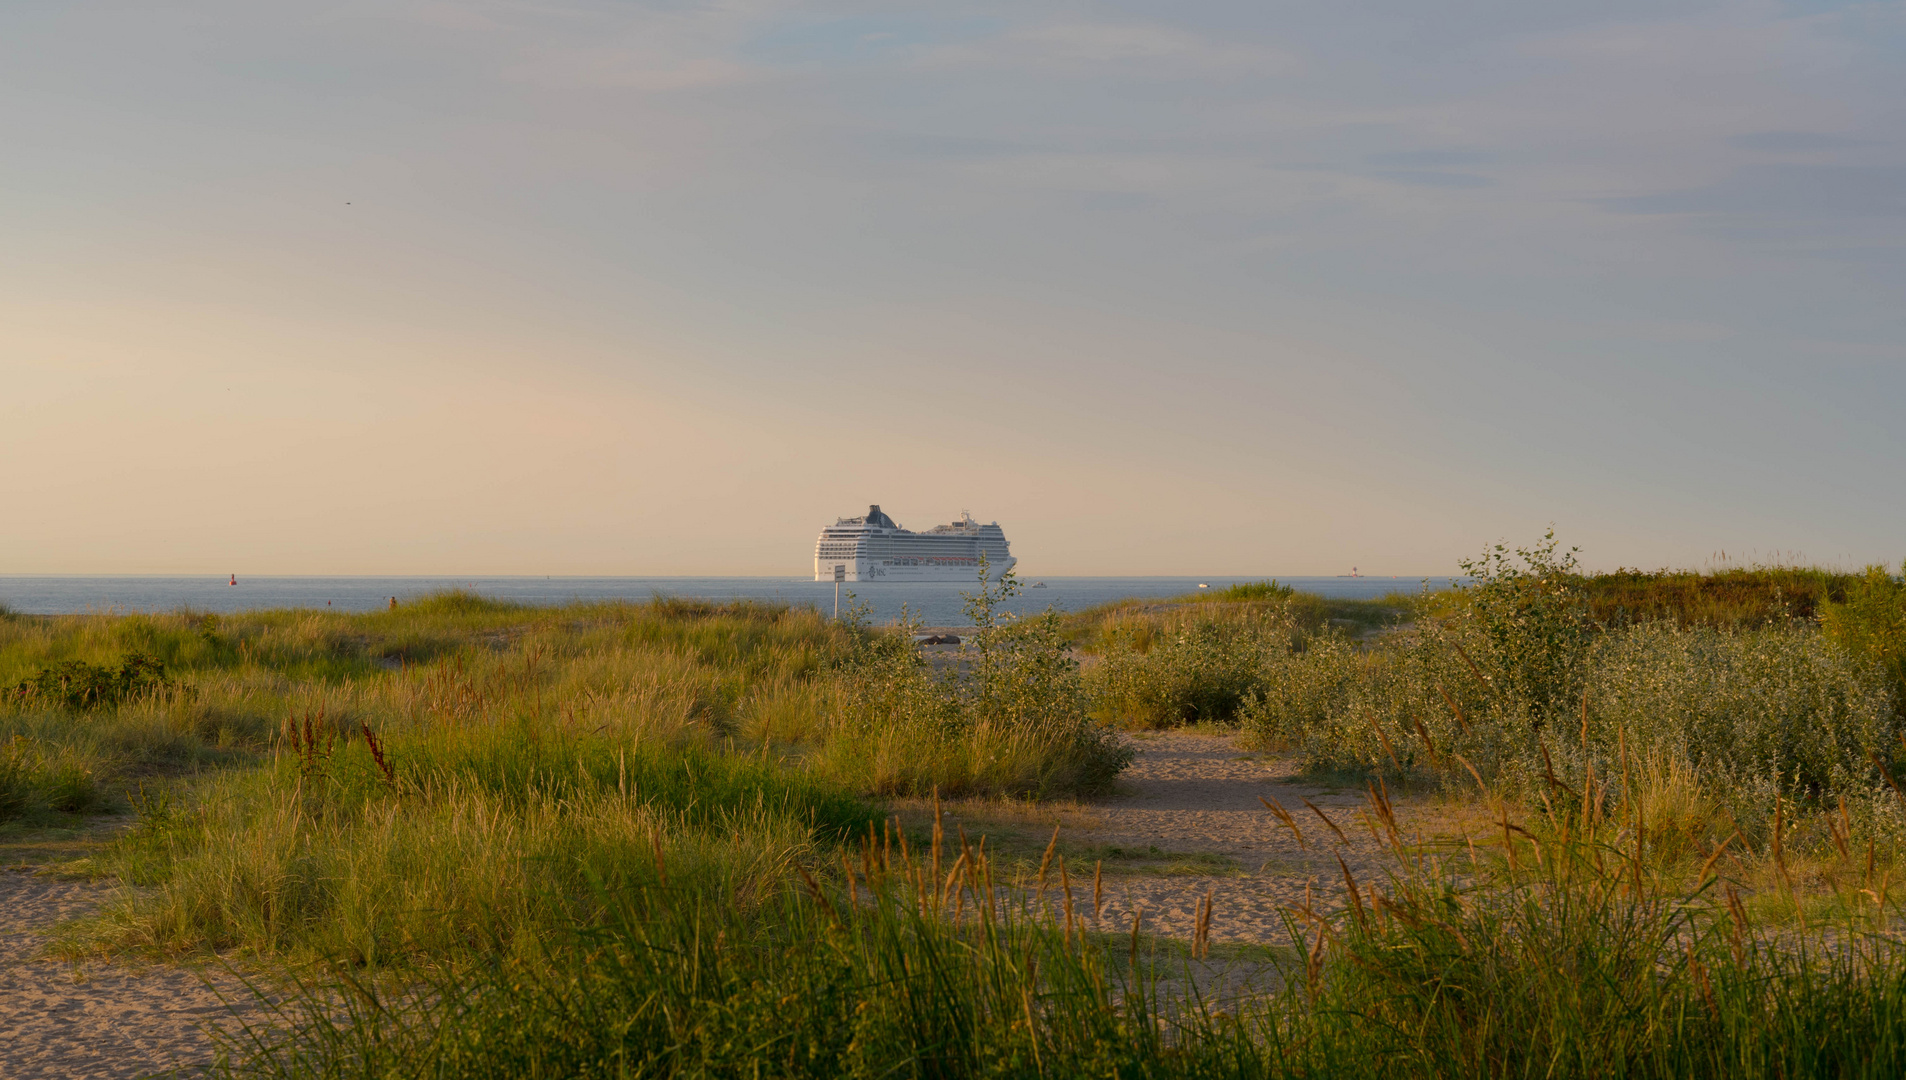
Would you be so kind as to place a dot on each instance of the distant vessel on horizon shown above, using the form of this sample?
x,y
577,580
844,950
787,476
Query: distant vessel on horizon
x,y
874,547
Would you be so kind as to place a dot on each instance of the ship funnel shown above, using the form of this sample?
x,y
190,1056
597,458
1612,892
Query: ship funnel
x,y
873,512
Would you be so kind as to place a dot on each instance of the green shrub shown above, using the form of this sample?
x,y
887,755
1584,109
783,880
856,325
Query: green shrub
x,y
1516,686
77,685
1871,624
1732,598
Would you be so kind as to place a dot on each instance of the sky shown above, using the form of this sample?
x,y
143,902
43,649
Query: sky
x,y
414,287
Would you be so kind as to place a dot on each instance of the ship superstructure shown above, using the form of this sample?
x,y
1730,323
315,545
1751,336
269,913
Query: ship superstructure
x,y
875,548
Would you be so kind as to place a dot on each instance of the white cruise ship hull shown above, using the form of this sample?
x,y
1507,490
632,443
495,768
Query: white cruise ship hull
x,y
861,571
874,547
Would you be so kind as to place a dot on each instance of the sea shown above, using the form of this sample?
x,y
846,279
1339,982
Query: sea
x,y
929,603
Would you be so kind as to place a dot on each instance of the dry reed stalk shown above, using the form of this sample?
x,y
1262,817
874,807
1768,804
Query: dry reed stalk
x,y
1325,818
1065,890
1386,812
947,888
1700,979
1201,934
1715,857
1780,863
1045,865
1283,816
1890,782
814,890
1737,932
1473,669
992,900
1641,844
1314,964
1422,732
1548,768
1385,740
1588,781
1455,709
965,870
1627,781
1508,841
1356,897
1138,913
939,832
1098,889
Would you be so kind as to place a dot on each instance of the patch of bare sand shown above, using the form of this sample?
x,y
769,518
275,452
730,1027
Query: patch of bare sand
x,y
1192,800
95,1019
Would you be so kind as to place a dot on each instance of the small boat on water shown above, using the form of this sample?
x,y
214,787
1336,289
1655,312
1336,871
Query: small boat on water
x,y
1038,584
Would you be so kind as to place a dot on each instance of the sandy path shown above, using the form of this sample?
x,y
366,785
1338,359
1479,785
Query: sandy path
x,y
1200,794
96,1019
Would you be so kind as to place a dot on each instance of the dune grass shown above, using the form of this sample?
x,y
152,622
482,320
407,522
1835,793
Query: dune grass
x,y
427,784
1556,952
648,839
459,845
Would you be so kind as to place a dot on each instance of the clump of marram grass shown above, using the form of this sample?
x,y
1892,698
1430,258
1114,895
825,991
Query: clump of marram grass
x,y
1196,667
46,776
446,846
1870,623
1012,718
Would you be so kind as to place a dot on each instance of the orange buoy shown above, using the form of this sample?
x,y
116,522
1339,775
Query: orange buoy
x,y
234,580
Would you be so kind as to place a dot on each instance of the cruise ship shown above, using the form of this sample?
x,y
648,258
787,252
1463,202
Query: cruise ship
x,y
876,548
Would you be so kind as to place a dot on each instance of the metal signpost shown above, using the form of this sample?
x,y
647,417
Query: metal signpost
x,y
840,575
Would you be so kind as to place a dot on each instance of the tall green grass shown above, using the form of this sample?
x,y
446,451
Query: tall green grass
x,y
454,844
1555,952
404,786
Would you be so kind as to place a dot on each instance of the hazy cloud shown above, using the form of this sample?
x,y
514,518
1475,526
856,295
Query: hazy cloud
x,y
1785,192
1792,142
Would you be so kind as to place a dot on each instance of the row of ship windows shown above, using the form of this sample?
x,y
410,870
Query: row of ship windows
x,y
969,555
878,550
928,560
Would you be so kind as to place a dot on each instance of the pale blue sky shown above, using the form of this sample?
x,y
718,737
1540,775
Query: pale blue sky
x,y
552,287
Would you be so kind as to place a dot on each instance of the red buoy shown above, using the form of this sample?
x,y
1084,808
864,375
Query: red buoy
x,y
234,580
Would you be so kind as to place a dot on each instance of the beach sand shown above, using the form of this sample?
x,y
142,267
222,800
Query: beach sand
x,y
95,1019
1189,822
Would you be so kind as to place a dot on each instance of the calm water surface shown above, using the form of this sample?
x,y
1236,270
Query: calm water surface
x,y
936,603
